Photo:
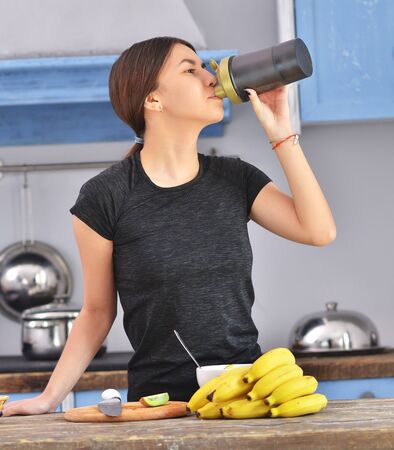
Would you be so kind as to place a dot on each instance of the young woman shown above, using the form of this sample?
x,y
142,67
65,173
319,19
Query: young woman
x,y
166,228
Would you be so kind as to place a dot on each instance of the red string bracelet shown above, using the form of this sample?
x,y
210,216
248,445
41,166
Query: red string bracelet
x,y
295,141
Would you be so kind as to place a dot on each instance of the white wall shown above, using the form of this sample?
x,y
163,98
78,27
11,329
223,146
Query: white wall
x,y
352,162
70,27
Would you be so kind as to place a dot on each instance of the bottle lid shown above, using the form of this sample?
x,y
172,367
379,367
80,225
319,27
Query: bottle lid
x,y
292,60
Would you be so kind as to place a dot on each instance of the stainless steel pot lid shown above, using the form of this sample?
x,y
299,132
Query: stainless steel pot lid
x,y
31,274
56,310
333,330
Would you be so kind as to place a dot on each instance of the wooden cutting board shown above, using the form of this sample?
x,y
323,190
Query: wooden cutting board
x,y
130,411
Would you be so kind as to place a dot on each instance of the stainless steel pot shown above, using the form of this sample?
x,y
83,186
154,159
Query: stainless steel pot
x,y
334,331
32,273
45,330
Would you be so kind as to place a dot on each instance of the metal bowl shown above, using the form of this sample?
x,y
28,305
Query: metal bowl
x,y
332,331
31,274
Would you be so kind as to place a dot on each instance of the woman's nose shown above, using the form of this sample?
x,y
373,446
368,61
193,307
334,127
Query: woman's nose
x,y
213,81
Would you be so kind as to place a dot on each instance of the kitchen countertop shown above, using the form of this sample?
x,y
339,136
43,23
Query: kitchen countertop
x,y
348,367
107,361
351,424
20,375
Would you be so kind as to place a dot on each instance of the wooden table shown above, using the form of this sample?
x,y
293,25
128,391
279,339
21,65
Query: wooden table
x,y
344,424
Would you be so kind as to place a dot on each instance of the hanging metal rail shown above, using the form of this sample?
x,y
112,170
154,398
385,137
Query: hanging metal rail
x,y
53,166
65,166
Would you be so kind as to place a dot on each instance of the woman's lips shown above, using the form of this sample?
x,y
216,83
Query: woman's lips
x,y
215,98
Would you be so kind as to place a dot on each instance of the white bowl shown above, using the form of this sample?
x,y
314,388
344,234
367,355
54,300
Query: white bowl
x,y
206,373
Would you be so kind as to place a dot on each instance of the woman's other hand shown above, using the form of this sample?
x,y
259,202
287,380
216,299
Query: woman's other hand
x,y
272,111
36,405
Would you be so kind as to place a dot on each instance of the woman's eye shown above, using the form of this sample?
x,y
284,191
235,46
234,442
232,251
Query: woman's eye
x,y
191,69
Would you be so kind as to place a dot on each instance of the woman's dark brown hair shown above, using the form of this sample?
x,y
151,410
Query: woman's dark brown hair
x,y
134,75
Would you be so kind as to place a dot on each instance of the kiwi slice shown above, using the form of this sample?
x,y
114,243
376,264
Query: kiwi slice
x,y
155,400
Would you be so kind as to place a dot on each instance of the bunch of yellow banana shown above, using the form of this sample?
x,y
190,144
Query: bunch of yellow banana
x,y
266,384
199,398
269,361
230,387
245,409
297,387
273,386
307,404
212,410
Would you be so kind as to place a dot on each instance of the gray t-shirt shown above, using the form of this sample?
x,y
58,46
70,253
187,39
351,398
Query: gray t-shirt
x,y
182,261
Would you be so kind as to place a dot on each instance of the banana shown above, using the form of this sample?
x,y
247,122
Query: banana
x,y
199,398
245,409
269,361
269,382
212,409
229,388
3,401
297,387
300,406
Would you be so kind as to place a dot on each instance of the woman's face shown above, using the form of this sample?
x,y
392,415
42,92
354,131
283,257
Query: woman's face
x,y
185,88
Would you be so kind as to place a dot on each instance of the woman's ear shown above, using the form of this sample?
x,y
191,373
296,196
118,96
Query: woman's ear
x,y
153,103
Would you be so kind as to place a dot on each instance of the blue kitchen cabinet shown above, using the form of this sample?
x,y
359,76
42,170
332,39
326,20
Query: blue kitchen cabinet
x,y
333,390
357,388
89,398
66,100
351,46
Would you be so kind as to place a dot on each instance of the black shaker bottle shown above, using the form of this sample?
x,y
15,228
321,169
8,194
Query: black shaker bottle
x,y
262,70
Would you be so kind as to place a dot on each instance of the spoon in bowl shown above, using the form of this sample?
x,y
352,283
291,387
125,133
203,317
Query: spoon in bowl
x,y
188,351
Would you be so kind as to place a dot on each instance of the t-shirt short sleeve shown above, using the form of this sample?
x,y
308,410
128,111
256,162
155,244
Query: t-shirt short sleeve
x,y
255,179
94,206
